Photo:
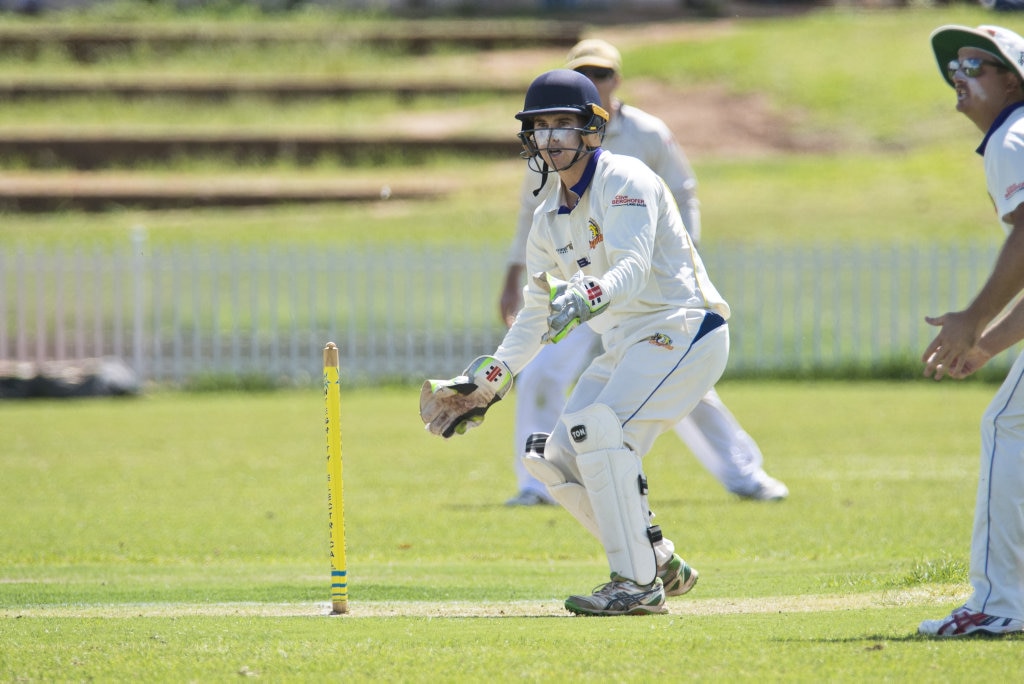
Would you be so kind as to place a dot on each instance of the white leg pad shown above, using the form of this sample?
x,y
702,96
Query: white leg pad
x,y
572,496
614,484
617,491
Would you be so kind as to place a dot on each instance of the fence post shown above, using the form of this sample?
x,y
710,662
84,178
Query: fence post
x,y
138,240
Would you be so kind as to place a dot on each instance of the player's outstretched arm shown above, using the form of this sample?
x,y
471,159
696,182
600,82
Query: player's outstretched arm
x,y
450,407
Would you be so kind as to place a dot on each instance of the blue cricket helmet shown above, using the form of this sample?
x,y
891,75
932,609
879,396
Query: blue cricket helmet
x,y
563,90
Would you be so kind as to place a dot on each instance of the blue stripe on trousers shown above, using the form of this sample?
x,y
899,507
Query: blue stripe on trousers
x,y
711,321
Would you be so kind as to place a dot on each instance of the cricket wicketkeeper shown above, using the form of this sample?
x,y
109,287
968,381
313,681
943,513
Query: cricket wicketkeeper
x,y
608,247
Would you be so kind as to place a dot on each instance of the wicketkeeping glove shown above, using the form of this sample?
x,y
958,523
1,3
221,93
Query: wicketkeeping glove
x,y
450,407
571,303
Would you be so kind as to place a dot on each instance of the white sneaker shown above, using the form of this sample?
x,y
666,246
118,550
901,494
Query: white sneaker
x,y
965,622
528,498
620,597
767,489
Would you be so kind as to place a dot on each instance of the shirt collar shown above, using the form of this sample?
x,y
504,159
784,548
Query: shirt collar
x,y
1000,120
584,181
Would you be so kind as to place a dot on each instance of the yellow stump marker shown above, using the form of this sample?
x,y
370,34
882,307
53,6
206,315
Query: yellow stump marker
x,y
335,483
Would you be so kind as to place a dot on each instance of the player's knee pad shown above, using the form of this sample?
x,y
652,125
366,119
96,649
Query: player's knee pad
x,y
617,490
571,495
594,428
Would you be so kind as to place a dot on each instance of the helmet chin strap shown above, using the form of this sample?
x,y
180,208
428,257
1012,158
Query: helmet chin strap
x,y
581,151
543,179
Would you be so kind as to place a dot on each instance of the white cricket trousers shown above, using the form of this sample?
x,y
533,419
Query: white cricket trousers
x,y
650,384
997,544
710,430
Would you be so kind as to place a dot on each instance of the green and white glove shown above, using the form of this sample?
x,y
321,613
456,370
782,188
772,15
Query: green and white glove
x,y
571,303
450,407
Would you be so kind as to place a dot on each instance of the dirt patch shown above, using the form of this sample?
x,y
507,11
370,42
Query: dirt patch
x,y
711,121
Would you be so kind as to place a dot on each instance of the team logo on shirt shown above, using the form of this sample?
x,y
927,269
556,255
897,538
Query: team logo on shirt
x,y
627,201
1013,190
596,236
661,340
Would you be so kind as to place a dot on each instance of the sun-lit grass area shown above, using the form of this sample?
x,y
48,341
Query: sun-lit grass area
x,y
387,115
184,536
864,76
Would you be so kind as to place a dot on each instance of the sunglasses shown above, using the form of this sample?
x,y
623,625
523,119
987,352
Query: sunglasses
x,y
596,73
971,66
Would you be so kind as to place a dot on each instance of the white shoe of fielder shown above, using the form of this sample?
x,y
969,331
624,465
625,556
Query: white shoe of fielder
x,y
965,622
766,489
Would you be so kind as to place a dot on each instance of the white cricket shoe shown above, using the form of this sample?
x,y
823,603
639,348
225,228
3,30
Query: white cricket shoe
x,y
767,489
965,622
621,597
529,498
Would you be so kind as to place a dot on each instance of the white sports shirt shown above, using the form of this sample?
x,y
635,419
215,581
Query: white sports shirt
x,y
1003,149
634,132
627,231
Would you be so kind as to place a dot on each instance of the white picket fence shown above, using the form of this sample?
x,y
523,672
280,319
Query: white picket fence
x,y
407,313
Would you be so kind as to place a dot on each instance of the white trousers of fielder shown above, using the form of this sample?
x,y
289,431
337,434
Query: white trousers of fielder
x,y
997,543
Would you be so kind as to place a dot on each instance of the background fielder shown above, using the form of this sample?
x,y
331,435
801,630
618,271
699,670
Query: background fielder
x,y
711,432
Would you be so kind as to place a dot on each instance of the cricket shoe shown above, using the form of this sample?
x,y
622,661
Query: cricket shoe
x,y
620,597
767,489
677,576
965,622
529,498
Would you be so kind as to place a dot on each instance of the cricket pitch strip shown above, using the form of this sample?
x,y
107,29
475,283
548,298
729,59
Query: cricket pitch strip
x,y
685,606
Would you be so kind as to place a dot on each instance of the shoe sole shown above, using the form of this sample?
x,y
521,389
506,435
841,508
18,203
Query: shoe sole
x,y
636,610
980,633
976,634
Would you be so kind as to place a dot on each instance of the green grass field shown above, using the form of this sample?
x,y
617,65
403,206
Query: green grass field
x,y
183,537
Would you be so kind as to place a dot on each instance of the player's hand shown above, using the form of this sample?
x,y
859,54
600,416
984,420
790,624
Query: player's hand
x,y
450,407
571,303
975,359
948,352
